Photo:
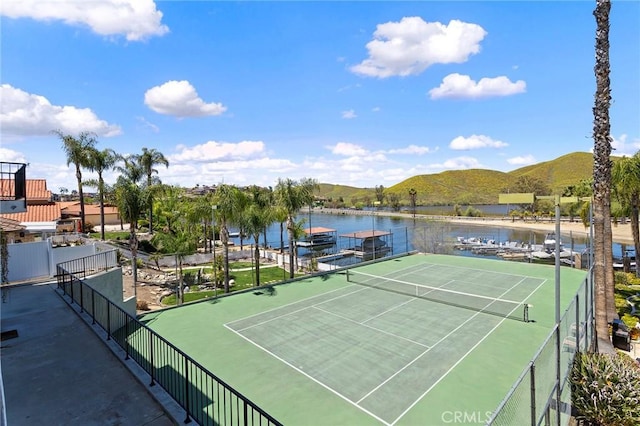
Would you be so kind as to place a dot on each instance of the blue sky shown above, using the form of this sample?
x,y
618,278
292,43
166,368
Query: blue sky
x,y
353,93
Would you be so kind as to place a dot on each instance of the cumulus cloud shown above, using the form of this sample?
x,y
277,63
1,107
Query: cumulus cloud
x,y
621,146
220,151
25,114
522,160
458,163
180,99
12,156
461,86
135,19
411,150
475,142
348,149
412,45
349,114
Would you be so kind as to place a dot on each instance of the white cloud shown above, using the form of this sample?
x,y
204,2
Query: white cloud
x,y
458,163
180,99
621,146
220,151
376,109
349,114
135,19
148,125
522,160
411,150
26,114
475,142
12,156
461,86
412,45
348,149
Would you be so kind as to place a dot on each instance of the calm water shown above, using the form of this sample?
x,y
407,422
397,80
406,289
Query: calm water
x,y
405,231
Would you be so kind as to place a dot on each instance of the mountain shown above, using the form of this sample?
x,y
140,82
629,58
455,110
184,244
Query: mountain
x,y
475,186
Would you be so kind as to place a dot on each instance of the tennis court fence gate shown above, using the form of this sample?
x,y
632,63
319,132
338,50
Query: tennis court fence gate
x,y
205,398
542,393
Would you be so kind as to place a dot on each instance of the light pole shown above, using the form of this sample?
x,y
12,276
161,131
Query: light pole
x,y
213,237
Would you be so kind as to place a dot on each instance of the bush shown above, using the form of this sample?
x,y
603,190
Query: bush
x,y
142,305
146,246
605,389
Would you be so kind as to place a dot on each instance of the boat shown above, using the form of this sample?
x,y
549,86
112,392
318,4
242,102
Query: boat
x,y
550,242
318,237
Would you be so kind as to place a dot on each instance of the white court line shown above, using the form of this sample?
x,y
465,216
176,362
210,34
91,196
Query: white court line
x,y
368,326
311,377
425,352
298,310
463,357
486,270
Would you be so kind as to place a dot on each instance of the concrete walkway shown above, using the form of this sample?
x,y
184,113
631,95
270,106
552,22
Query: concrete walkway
x,y
57,371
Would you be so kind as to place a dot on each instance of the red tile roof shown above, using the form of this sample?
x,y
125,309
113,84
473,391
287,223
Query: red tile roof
x,y
72,208
9,225
37,192
37,213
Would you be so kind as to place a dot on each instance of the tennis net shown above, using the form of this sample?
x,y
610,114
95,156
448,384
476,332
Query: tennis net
x,y
475,302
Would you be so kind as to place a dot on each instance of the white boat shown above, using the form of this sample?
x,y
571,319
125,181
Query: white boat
x,y
550,242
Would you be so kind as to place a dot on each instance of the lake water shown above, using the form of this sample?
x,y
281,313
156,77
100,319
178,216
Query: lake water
x,y
406,233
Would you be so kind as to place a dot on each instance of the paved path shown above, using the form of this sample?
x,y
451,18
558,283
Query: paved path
x,y
59,372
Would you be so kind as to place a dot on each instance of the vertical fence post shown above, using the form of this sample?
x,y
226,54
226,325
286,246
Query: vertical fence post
x,y
108,320
106,264
93,306
81,297
532,372
152,368
71,276
579,330
84,268
126,339
558,391
186,388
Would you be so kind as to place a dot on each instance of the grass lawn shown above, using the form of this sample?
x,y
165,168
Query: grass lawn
x,y
243,279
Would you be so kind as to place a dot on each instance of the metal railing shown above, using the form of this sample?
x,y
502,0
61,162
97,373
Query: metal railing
x,y
532,400
205,398
89,265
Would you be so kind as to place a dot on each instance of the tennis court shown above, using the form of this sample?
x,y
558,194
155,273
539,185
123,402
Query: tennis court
x,y
413,340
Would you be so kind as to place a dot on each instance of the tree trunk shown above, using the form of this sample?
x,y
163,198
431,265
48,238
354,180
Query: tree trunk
x,y
81,193
102,213
290,226
224,236
281,238
133,246
256,255
602,268
635,228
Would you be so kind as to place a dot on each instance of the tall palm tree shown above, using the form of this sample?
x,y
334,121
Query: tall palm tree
x,y
256,217
602,267
413,196
130,168
77,152
626,180
292,196
227,201
131,201
99,161
148,160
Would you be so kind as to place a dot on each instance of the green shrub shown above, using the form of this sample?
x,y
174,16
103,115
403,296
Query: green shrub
x,y
605,389
146,246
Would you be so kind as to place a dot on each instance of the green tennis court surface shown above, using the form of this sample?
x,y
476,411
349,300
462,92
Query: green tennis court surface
x,y
399,342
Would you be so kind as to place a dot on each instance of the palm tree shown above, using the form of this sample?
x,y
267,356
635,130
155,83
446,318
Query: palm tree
x,y
179,240
292,196
626,185
413,195
256,217
132,201
147,161
99,161
602,267
227,201
77,152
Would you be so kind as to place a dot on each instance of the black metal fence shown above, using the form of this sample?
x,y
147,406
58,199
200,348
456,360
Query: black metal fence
x,y
205,398
542,393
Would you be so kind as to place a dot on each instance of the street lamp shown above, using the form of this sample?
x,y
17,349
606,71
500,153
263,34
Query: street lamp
x,y
213,237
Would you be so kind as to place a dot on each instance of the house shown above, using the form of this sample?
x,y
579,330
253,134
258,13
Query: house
x,y
71,210
15,232
42,213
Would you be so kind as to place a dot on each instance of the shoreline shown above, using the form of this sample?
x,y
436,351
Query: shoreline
x,y
621,233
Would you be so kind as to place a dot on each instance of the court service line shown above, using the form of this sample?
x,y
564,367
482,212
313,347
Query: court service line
x,y
310,377
368,326
463,357
402,304
298,310
425,352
